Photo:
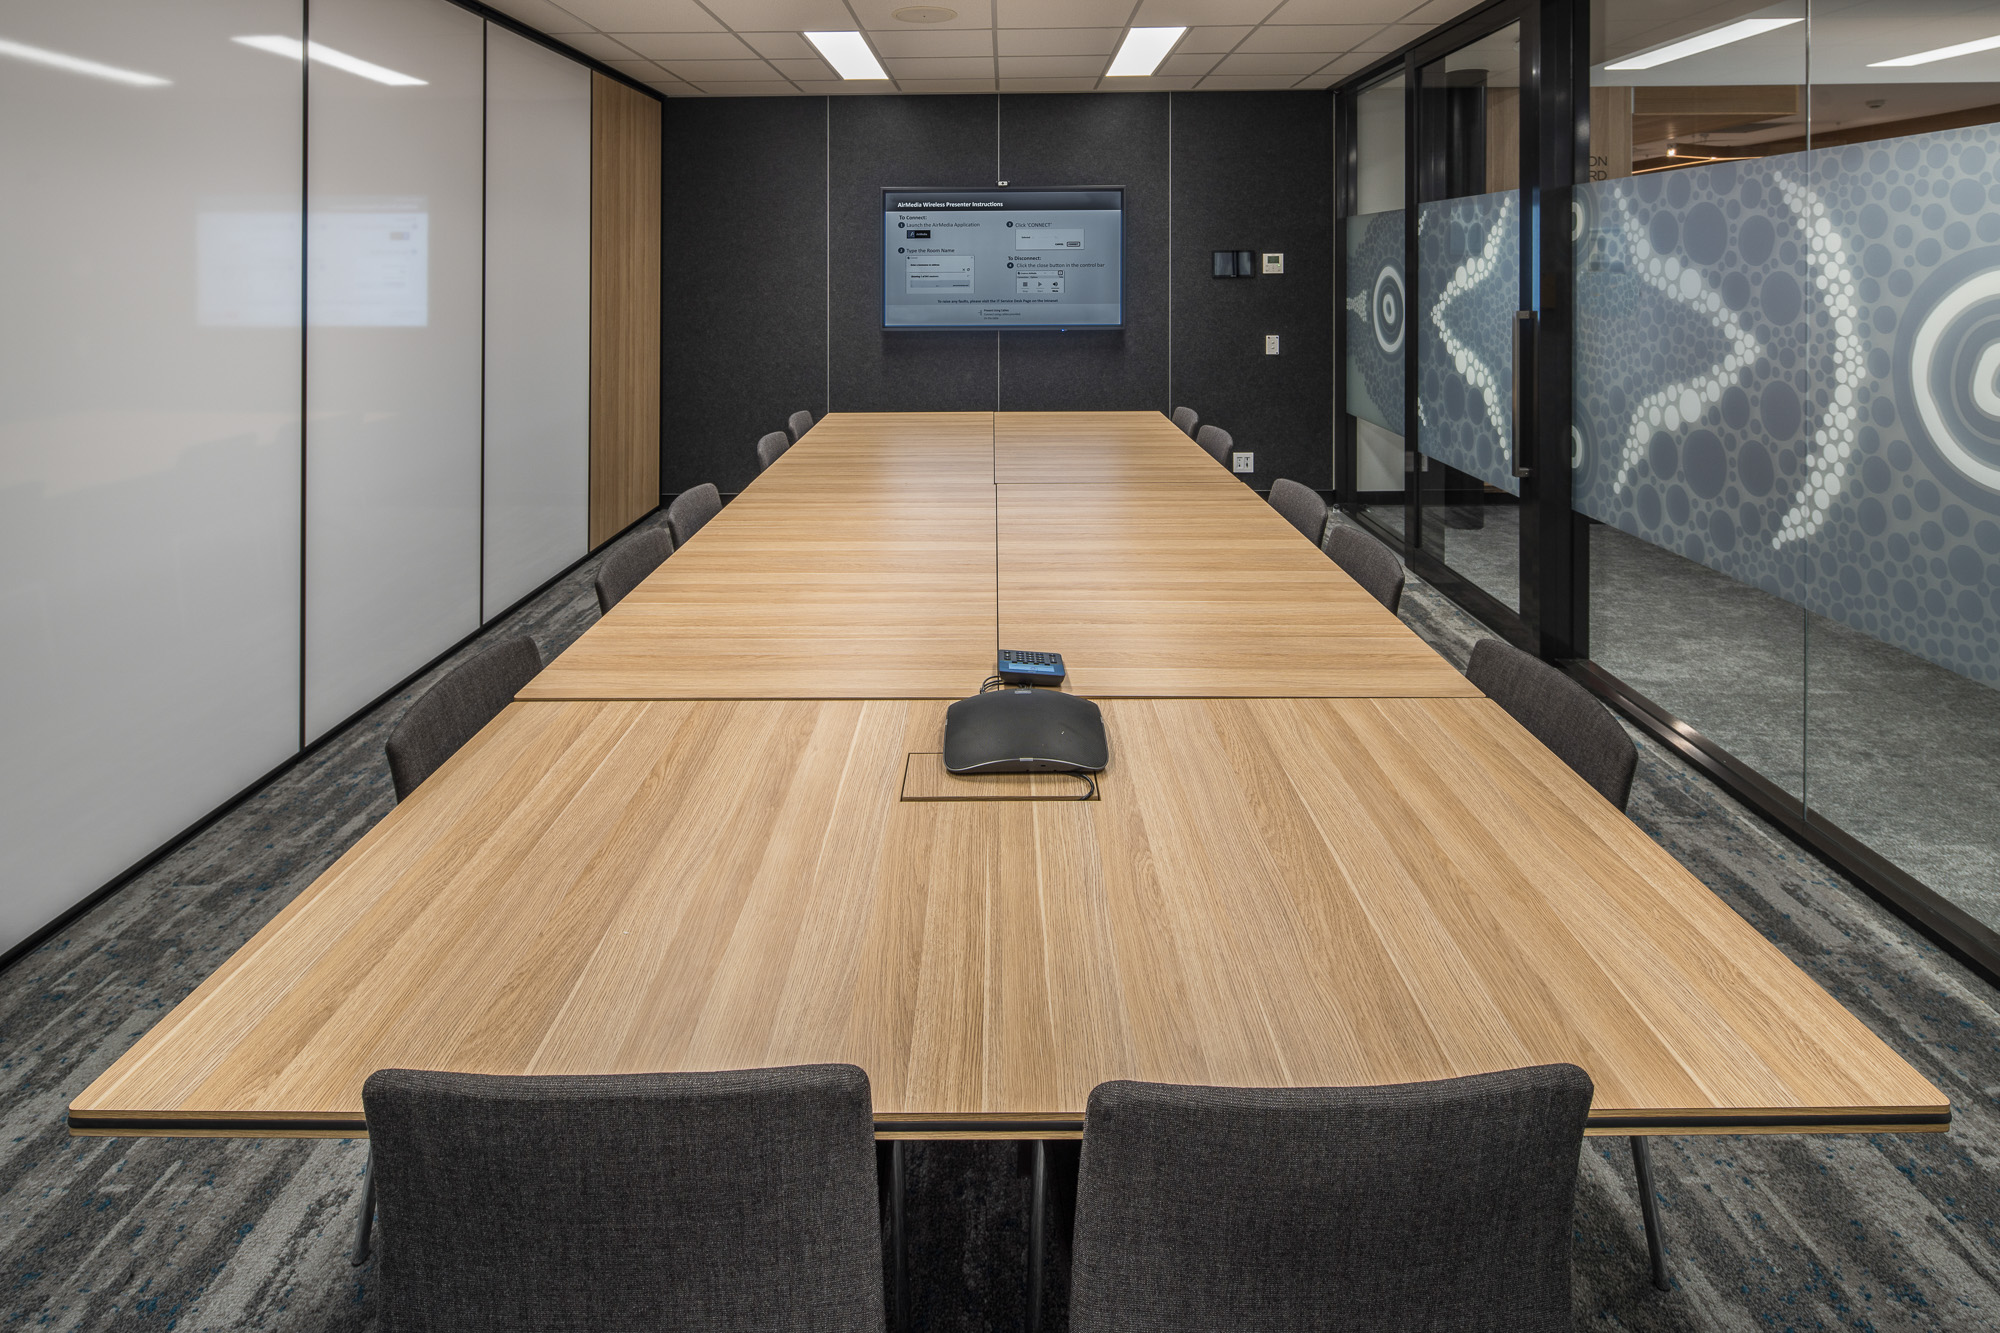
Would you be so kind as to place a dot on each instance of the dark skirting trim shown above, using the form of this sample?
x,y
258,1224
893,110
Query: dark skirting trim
x,y
1935,917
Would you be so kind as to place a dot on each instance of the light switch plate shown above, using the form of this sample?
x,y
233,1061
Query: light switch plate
x,y
1243,462
1274,263
1270,344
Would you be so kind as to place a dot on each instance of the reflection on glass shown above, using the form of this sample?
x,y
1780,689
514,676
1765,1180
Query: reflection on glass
x,y
1469,281
1376,302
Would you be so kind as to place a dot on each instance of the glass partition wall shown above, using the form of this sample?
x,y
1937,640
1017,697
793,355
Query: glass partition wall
x,y
1782,389
1376,297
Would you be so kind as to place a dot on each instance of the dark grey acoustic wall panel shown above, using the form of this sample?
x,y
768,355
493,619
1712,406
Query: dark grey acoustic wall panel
x,y
744,281
1254,171
880,141
1092,139
773,244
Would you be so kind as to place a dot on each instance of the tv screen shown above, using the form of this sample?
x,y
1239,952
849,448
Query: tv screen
x,y
1003,259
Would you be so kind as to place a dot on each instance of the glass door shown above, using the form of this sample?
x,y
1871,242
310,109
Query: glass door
x,y
1472,322
1376,299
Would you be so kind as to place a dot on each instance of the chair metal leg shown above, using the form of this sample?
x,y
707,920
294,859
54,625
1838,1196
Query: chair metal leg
x,y
1037,1221
1649,1208
366,1225
899,1256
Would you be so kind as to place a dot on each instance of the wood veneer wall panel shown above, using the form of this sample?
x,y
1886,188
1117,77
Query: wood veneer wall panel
x,y
624,307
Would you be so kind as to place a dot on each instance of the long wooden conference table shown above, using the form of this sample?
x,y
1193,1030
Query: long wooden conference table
x,y
715,833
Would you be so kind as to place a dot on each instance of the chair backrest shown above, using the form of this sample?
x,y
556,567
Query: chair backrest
x,y
771,448
691,510
618,1203
1561,713
627,566
1301,506
1368,562
1216,442
453,709
798,423
1187,419
1408,1206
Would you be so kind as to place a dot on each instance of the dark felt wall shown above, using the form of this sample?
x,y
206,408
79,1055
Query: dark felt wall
x,y
773,236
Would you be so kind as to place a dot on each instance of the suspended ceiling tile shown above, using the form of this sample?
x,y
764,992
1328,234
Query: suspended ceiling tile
x,y
644,15
1051,67
941,67
846,87
1187,65
597,46
541,15
1149,84
781,15
1297,66
1393,37
804,70
1316,81
1332,38
707,72
947,85
950,42
1244,83
642,70
879,15
776,88
1164,13
1058,41
1349,64
1210,41
1343,11
686,45
1048,85
1062,13
780,45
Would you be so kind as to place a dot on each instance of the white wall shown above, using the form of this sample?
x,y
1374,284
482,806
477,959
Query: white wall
x,y
155,580
393,316
537,316
149,451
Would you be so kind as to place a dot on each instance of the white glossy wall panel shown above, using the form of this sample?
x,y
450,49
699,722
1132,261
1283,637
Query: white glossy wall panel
x,y
537,316
393,305
149,452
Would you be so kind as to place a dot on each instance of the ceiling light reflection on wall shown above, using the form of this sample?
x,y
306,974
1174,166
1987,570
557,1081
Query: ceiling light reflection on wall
x,y
848,54
35,55
1142,52
1942,53
293,49
1707,41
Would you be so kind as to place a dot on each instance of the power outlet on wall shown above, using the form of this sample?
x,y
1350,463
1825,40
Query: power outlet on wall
x,y
1243,462
1270,344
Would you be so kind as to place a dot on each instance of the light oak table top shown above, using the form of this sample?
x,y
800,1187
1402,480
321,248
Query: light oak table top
x,y
1267,892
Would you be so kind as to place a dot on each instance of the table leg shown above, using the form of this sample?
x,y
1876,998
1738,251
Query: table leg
x,y
1037,1221
363,1227
1649,1208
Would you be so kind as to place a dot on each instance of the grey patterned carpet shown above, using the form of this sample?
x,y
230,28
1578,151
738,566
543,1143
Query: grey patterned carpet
x,y
1875,1232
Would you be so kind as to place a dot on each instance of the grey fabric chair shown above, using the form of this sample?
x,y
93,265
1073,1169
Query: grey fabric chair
x,y
1368,562
452,711
1216,442
771,448
798,423
1412,1206
619,1203
627,567
1187,419
1301,506
691,510
1561,713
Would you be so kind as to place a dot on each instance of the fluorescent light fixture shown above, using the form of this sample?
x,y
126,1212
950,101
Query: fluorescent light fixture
x,y
1142,51
1708,41
292,49
1942,53
35,55
848,54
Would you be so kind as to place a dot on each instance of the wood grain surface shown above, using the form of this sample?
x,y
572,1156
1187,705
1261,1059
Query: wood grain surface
x,y
1270,892
624,307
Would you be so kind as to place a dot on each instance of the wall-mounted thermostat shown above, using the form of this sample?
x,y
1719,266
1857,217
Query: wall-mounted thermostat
x,y
1274,263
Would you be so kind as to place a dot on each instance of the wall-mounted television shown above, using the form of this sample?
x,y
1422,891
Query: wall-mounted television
x,y
1003,258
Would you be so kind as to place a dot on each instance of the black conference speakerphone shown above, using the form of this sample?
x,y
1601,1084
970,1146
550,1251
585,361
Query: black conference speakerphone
x,y
1019,668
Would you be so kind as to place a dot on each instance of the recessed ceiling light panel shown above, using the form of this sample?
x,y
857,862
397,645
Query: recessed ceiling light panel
x,y
1142,51
849,55
1942,53
1707,41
